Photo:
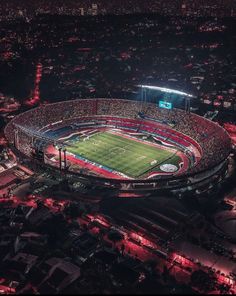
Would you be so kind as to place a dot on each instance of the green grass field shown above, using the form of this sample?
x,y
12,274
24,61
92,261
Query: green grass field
x,y
126,156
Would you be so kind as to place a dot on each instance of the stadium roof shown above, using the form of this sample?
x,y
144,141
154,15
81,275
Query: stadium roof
x,y
166,90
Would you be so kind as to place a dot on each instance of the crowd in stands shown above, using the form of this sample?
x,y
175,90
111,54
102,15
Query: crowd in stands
x,y
213,140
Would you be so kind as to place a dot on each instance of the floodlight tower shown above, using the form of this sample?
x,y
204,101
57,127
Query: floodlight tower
x,y
187,104
65,162
143,97
60,166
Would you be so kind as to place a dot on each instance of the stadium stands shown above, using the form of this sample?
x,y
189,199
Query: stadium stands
x,y
213,140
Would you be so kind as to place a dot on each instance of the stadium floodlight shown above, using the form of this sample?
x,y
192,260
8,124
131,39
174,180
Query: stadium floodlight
x,y
168,90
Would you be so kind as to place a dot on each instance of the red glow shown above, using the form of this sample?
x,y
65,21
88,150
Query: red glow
x,y
7,290
98,218
143,241
231,129
224,280
36,93
185,262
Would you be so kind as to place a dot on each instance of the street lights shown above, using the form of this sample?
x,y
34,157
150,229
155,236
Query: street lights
x,y
65,162
59,149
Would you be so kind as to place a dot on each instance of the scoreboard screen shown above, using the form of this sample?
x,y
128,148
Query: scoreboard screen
x,y
165,105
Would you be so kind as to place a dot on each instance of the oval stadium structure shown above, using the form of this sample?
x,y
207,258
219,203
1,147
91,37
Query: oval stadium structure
x,y
130,146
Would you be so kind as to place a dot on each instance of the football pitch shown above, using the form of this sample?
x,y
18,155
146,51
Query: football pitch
x,y
121,154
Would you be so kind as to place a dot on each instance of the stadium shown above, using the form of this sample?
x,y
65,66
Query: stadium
x,y
131,146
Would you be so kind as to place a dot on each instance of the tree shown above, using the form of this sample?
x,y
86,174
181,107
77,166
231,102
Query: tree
x,y
115,236
151,266
202,280
73,210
